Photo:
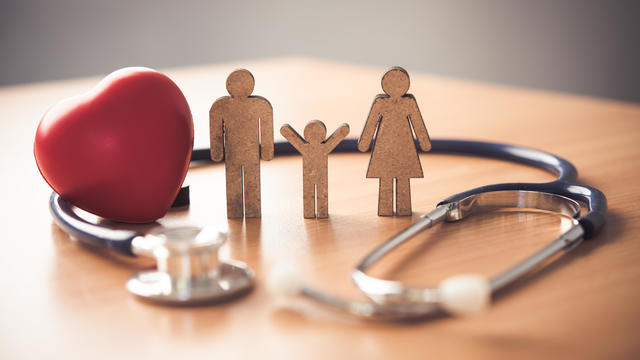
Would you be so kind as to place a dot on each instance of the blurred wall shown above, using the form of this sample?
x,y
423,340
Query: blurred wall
x,y
579,46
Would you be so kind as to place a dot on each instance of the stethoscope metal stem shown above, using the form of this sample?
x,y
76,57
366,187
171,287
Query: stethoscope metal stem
x,y
566,241
426,221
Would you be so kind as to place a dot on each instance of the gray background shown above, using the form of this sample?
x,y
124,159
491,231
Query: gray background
x,y
586,47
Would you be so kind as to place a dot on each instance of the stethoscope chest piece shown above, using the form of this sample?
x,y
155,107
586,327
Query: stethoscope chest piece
x,y
189,271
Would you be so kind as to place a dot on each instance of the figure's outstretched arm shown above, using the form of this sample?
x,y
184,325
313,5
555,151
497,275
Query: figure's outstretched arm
x,y
418,125
370,126
266,131
292,136
216,130
341,132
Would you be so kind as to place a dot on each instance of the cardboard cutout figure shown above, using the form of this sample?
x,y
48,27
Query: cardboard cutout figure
x,y
393,119
315,151
241,130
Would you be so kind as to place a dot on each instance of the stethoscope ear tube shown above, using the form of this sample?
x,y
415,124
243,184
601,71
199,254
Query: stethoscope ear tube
x,y
117,240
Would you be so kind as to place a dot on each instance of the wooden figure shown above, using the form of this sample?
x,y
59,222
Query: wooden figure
x,y
241,131
393,119
315,152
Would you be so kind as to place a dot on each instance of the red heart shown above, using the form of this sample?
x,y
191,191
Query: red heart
x,y
122,150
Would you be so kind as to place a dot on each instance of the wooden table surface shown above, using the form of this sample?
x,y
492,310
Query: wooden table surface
x,y
63,300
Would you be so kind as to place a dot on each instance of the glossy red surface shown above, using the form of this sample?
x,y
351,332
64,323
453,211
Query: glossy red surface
x,y
120,151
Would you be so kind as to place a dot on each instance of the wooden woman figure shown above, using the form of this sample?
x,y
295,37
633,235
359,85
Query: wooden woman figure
x,y
315,151
394,156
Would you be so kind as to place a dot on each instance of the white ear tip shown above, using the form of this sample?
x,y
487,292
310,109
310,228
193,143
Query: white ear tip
x,y
466,294
210,234
284,280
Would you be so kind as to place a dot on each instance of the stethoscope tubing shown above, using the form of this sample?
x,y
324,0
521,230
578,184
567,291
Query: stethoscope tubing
x,y
119,240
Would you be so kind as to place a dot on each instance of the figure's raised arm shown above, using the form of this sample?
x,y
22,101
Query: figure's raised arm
x,y
370,126
418,125
341,132
292,136
266,130
216,129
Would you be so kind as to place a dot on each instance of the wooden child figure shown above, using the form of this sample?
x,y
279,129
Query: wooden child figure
x,y
315,152
393,119
238,124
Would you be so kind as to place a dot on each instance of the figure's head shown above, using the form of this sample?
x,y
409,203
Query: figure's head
x,y
315,132
240,83
395,82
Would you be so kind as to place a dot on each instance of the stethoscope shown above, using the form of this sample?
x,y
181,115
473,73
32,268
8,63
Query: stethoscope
x,y
189,270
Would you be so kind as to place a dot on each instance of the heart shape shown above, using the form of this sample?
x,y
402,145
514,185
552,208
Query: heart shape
x,y
122,150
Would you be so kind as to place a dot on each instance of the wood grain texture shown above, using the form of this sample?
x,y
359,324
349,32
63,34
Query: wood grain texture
x,y
393,120
63,300
241,132
315,150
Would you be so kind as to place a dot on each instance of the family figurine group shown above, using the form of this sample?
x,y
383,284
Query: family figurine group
x,y
241,132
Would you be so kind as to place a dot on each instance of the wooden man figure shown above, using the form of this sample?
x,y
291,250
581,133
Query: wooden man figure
x,y
393,119
241,130
315,151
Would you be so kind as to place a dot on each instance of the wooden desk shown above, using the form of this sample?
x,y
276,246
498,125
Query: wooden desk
x,y
59,299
